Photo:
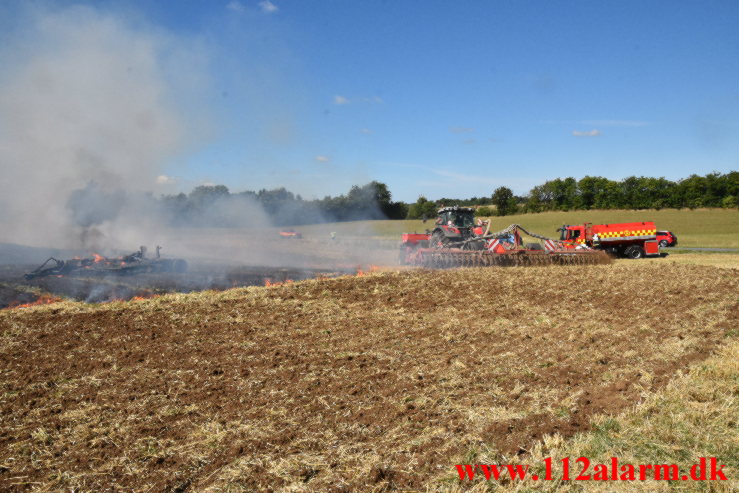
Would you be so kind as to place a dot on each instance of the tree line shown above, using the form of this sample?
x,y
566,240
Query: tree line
x,y
215,205
596,192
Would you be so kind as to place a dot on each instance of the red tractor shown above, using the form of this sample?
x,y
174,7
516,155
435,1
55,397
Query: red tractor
x,y
454,226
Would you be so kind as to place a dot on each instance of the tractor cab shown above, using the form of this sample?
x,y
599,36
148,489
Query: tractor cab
x,y
457,217
454,225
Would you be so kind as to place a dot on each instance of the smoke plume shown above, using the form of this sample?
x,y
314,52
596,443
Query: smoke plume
x,y
85,98
95,108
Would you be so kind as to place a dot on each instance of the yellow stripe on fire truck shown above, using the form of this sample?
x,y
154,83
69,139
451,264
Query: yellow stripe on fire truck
x,y
620,234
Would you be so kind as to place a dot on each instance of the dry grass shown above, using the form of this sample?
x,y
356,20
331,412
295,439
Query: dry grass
x,y
373,383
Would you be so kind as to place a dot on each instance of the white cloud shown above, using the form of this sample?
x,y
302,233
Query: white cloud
x,y
322,159
366,131
461,130
166,180
599,123
616,123
587,133
235,6
268,7
338,99
459,177
462,177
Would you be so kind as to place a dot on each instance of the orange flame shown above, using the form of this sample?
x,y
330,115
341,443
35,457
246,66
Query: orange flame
x,y
139,297
370,268
98,258
44,299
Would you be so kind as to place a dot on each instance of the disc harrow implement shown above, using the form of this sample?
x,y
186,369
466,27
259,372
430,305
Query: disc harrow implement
x,y
452,257
457,242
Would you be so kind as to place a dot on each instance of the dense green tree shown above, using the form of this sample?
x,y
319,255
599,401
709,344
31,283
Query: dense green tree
x,y
205,195
504,201
422,208
484,211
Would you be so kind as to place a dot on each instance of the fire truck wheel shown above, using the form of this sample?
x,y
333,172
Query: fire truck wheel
x,y
635,252
664,243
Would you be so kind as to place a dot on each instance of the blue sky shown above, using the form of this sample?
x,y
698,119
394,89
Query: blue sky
x,y
449,98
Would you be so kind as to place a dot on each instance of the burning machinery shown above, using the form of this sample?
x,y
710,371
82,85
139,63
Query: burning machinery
x,y
98,265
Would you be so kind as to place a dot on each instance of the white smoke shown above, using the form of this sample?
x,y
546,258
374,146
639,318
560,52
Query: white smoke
x,y
85,97
93,108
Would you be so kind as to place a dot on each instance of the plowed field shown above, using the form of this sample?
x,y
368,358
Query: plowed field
x,y
354,383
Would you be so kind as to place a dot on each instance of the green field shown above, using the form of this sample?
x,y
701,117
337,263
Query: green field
x,y
695,228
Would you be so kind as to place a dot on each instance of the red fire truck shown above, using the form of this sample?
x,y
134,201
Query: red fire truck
x,y
632,240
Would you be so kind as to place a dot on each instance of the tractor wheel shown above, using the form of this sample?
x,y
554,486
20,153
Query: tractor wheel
x,y
664,243
438,240
405,252
475,245
635,252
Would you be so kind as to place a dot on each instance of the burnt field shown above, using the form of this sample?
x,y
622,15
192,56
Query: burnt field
x,y
355,383
14,289
210,268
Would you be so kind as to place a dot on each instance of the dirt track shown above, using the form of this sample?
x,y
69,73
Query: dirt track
x,y
350,383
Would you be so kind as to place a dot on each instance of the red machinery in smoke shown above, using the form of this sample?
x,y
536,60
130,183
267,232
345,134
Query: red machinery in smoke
x,y
291,234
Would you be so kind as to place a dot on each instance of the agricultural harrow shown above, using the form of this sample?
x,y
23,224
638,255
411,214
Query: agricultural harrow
x,y
444,259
